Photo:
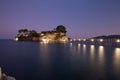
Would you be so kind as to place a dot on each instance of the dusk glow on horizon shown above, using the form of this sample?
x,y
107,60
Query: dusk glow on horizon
x,y
82,18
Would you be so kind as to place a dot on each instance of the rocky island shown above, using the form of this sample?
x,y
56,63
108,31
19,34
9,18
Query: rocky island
x,y
58,34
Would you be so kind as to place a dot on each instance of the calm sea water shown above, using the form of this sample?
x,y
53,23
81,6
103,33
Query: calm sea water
x,y
59,61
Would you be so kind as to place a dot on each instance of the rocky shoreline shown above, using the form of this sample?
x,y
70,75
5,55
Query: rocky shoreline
x,y
3,76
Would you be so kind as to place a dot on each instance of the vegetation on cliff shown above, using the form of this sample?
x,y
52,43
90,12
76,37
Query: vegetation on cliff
x,y
58,34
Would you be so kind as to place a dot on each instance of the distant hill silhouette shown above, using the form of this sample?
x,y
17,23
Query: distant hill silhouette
x,y
108,37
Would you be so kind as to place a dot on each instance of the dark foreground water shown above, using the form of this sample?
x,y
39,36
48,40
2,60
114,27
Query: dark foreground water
x,y
59,61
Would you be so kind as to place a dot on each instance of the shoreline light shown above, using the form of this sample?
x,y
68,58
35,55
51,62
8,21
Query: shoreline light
x,y
79,39
74,39
16,39
101,40
92,40
84,39
71,40
45,40
118,40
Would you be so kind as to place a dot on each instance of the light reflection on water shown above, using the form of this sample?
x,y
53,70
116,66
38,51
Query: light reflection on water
x,y
79,47
92,52
116,61
73,48
44,56
117,56
84,49
57,61
101,53
71,44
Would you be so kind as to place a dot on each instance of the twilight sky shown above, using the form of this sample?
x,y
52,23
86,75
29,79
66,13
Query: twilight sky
x,y
82,18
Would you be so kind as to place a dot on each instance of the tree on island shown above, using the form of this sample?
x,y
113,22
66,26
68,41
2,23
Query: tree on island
x,y
61,28
33,33
22,31
57,34
26,35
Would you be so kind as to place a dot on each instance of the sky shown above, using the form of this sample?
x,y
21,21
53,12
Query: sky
x,y
82,18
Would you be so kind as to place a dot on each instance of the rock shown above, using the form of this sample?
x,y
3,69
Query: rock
x,y
0,73
5,77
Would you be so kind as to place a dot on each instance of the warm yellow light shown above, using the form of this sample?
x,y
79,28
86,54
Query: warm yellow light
x,y
116,58
79,39
101,40
45,40
92,52
41,34
118,40
74,39
78,44
26,35
84,39
16,39
92,40
63,40
84,45
71,40
92,46
70,44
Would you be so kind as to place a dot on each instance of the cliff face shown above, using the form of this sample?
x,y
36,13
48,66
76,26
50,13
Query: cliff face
x,y
54,36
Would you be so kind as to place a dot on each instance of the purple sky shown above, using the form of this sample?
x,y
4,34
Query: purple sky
x,y
82,18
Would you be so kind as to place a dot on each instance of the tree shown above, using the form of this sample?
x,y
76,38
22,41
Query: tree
x,y
61,28
33,33
22,31
25,31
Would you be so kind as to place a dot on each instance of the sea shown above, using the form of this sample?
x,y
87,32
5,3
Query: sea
x,y
59,61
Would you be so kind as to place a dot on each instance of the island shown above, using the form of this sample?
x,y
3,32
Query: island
x,y
58,34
